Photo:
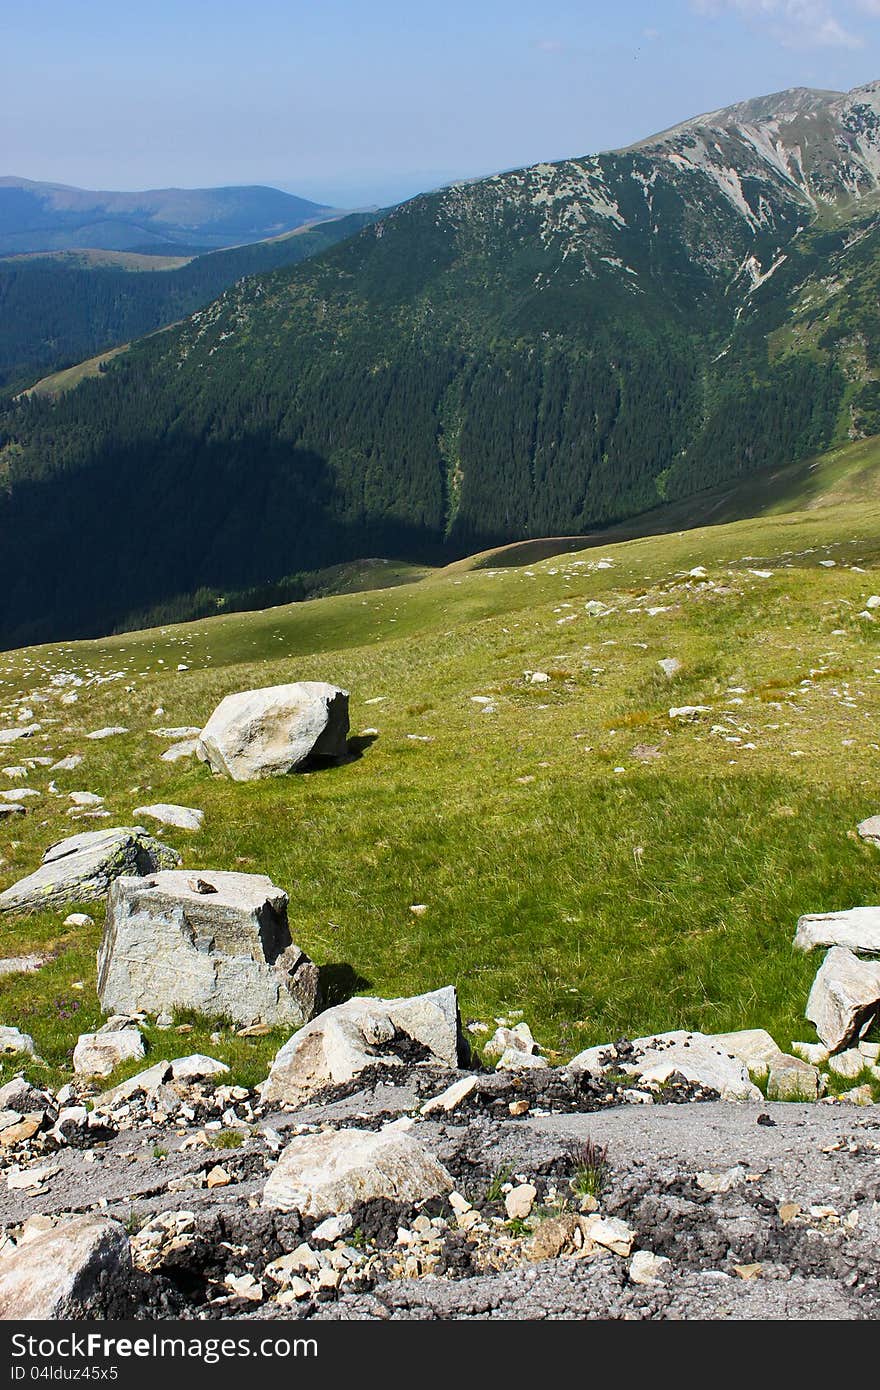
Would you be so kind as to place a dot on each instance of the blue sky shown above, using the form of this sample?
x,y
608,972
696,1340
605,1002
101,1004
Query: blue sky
x,y
367,101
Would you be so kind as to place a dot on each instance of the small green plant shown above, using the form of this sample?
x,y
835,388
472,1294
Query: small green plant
x,y
494,1191
591,1168
517,1227
357,1239
227,1139
159,1152
134,1222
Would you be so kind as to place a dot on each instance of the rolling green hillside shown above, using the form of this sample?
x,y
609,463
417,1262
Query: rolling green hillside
x,y
581,855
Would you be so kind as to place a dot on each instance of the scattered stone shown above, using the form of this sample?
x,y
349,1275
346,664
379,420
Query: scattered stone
x,y
81,868
85,798
185,749
184,817
14,735
227,953
8,809
109,732
791,1078
332,1048
555,1236
647,1268
693,1055
18,794
870,830
21,1096
184,731
505,1038
59,1273
689,711
849,1064
844,998
519,1201
814,1053
329,1173
514,1059
270,732
13,1040
99,1054
68,764
858,929
859,1095
452,1096
217,1177
143,1083
197,1067
670,666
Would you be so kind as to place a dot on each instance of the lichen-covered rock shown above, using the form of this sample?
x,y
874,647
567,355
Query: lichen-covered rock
x,y
329,1173
218,943
345,1040
82,867
844,997
59,1274
270,732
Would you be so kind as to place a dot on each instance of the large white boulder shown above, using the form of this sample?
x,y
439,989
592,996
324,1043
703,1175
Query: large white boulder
x,y
82,867
267,733
693,1055
858,929
58,1274
328,1173
215,942
343,1041
845,996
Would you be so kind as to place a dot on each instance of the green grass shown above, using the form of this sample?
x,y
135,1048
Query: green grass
x,y
600,902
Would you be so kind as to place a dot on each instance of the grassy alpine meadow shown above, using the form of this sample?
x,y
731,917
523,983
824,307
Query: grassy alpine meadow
x,y
577,855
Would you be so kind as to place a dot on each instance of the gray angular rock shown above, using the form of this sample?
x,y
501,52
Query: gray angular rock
x,y
81,868
844,998
790,1078
858,929
184,817
693,1055
185,749
99,1054
226,952
327,1174
333,1048
196,1067
59,1274
270,732
22,731
870,830
8,809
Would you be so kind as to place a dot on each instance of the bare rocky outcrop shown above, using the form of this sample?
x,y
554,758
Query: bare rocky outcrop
x,y
82,868
59,1274
345,1040
218,943
270,732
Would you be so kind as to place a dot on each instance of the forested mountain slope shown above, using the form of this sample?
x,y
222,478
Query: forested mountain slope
x,y
55,311
537,353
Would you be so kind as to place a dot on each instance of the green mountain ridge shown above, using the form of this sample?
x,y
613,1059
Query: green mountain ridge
x,y
543,352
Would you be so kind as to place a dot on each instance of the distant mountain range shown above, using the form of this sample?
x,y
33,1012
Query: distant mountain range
x,y
53,217
538,353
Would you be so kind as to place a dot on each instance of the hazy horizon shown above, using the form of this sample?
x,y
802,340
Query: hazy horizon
x,y
351,108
